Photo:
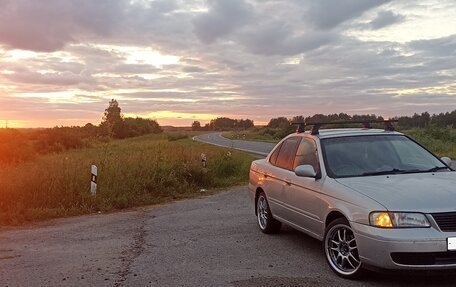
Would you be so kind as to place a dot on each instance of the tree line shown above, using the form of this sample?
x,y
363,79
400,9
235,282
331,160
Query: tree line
x,y
284,124
423,120
21,145
441,120
223,124
280,127
116,126
113,125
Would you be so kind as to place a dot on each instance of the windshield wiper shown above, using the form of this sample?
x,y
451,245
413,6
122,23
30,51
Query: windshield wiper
x,y
436,168
390,171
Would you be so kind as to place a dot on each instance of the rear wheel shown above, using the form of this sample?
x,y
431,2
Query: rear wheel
x,y
341,250
266,222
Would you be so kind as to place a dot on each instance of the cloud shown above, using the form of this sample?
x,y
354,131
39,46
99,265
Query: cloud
x,y
222,18
328,14
440,47
252,59
50,24
278,38
384,19
193,69
65,78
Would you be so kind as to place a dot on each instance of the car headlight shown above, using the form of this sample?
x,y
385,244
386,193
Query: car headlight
x,y
398,219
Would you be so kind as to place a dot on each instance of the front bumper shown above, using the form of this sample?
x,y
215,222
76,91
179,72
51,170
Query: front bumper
x,y
406,248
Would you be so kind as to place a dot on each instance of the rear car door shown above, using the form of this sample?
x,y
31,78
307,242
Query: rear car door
x,y
281,164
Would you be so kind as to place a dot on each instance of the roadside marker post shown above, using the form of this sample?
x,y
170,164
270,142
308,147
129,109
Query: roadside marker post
x,y
93,180
203,160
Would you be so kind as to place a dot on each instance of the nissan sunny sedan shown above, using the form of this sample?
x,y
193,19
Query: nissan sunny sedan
x,y
375,198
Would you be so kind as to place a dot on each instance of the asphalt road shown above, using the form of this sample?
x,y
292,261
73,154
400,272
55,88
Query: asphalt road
x,y
259,148
209,241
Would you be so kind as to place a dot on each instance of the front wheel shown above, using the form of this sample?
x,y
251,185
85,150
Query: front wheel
x,y
341,250
266,222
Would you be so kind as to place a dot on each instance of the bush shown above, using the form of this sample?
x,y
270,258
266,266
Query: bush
x,y
176,136
441,141
14,147
59,139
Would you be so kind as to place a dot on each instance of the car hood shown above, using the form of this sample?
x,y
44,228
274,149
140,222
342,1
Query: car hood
x,y
421,192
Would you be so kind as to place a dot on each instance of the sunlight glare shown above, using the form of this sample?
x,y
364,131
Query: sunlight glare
x,y
142,55
172,115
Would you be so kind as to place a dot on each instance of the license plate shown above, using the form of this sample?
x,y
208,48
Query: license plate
x,y
452,243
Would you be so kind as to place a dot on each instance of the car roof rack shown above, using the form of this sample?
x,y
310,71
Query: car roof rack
x,y
366,124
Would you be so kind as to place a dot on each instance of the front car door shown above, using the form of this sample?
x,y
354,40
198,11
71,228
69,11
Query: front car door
x,y
303,194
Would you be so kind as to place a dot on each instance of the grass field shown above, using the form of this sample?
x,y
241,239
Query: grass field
x,y
133,172
255,134
441,141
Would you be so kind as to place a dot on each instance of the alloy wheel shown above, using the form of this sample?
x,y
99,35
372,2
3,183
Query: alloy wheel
x,y
262,212
341,250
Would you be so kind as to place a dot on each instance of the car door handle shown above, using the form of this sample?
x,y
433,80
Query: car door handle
x,y
287,181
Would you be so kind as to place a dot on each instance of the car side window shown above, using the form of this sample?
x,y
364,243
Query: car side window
x,y
287,153
273,157
307,154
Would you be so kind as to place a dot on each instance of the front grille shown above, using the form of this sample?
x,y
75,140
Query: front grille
x,y
446,221
424,258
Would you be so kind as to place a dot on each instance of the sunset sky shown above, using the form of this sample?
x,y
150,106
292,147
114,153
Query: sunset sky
x,y
177,61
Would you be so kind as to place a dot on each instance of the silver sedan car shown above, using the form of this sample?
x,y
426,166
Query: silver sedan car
x,y
375,198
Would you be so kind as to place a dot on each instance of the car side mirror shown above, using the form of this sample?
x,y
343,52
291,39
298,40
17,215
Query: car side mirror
x,y
305,170
446,160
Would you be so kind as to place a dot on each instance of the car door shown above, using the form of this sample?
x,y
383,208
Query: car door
x,y
276,178
303,193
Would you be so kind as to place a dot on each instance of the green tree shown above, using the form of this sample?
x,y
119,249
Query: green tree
x,y
223,123
139,126
245,124
113,123
196,126
298,119
279,123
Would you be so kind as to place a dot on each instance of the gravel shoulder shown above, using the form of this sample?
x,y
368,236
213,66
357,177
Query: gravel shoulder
x,y
210,241
87,250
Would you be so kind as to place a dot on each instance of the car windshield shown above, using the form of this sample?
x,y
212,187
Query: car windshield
x,y
376,155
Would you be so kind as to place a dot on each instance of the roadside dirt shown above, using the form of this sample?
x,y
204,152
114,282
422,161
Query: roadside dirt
x,y
210,241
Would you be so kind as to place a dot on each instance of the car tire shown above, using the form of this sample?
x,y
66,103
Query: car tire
x,y
341,251
266,221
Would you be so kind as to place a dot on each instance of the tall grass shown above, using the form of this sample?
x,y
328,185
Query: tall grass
x,y
263,134
441,141
137,171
